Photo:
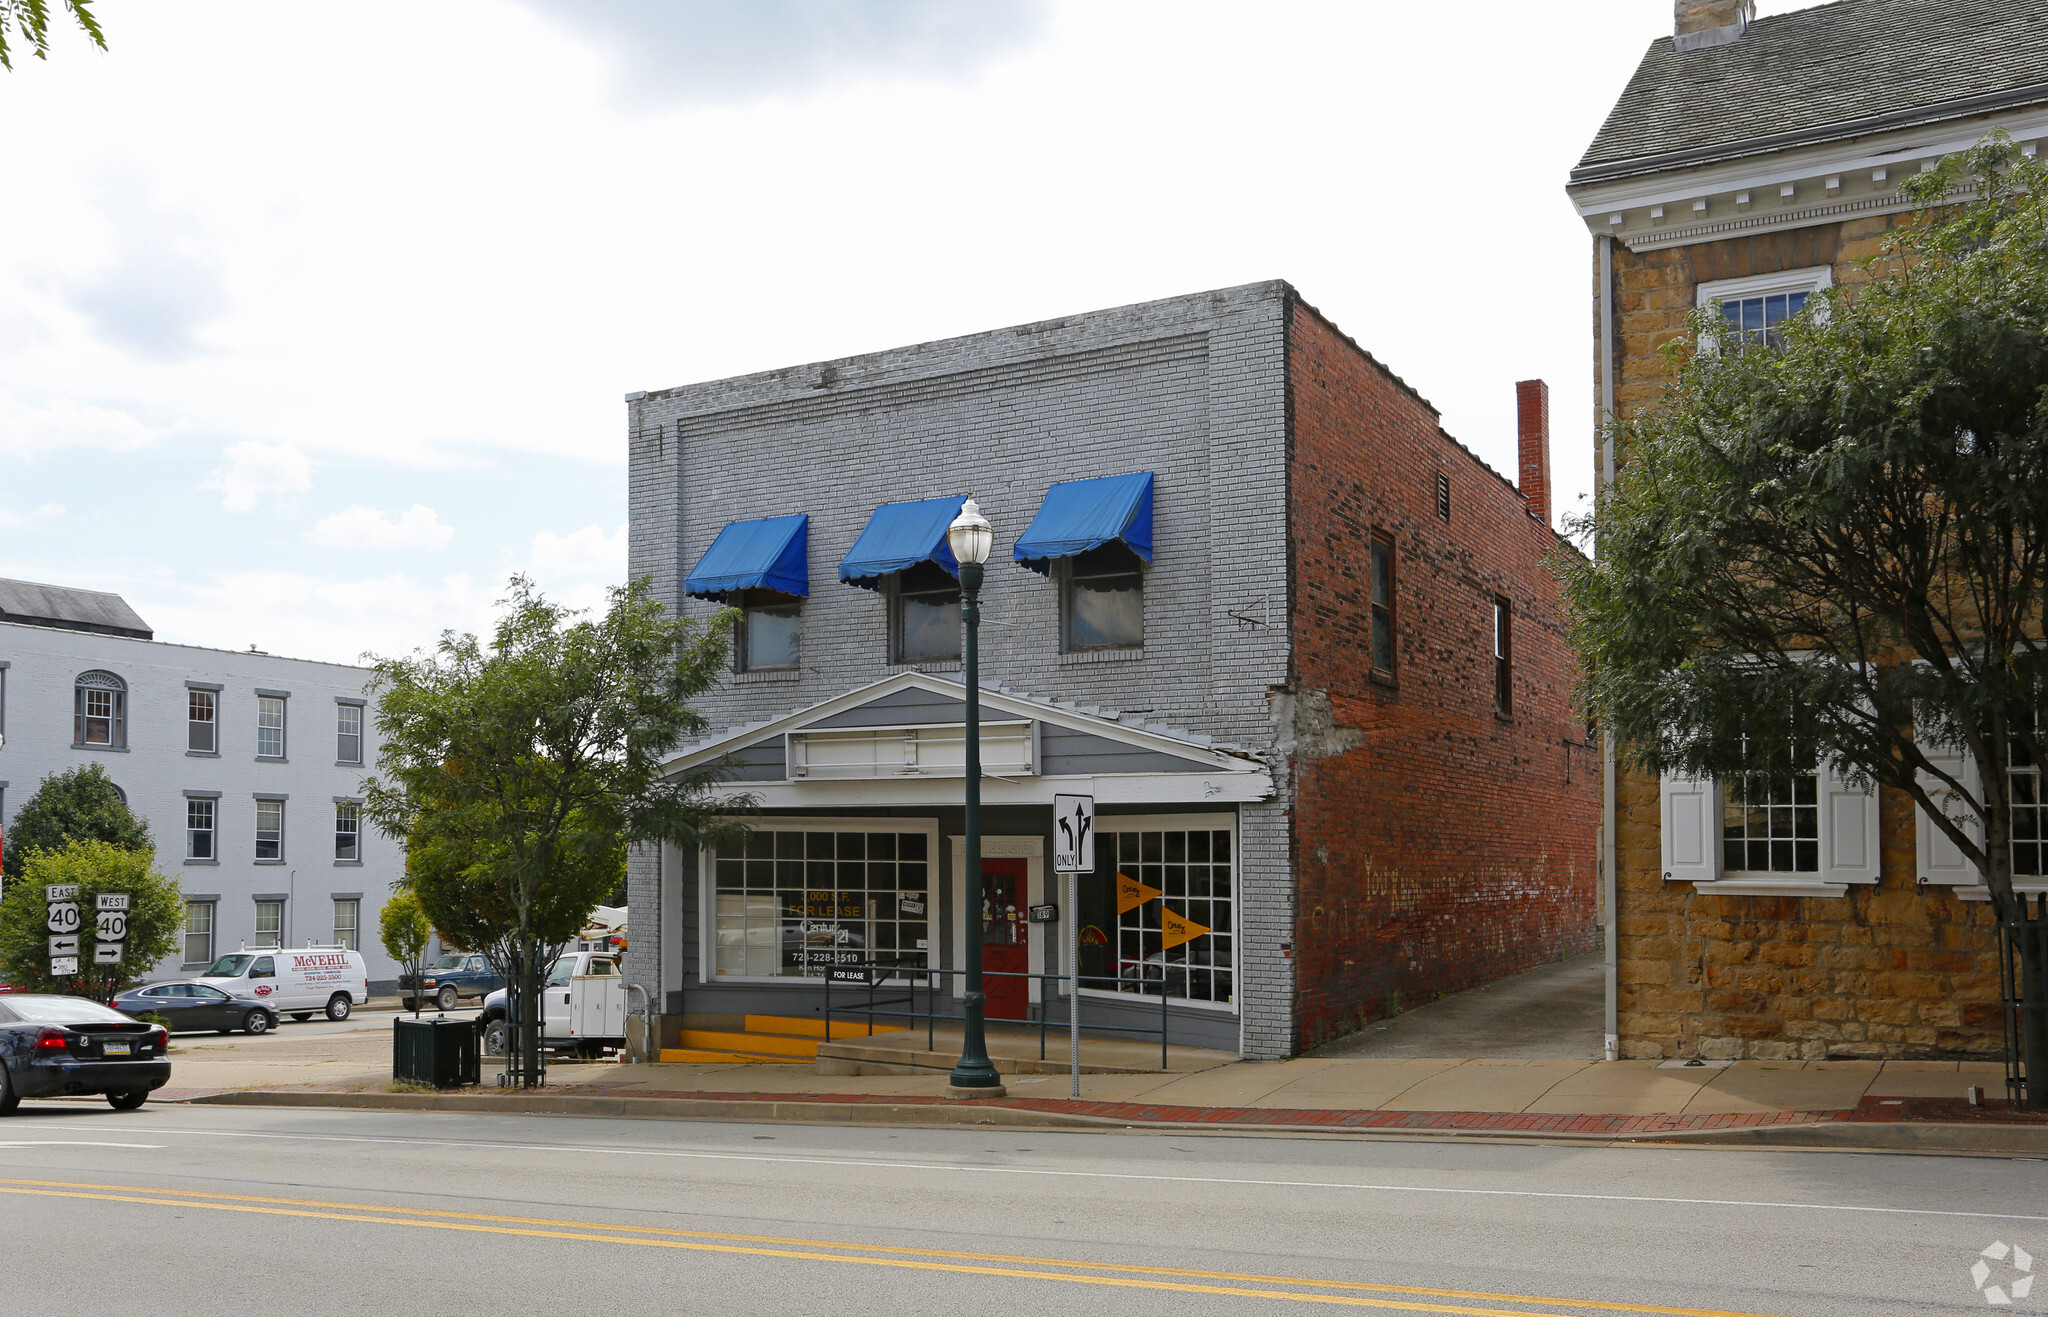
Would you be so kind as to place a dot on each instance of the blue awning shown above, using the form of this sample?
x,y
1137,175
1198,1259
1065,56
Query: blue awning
x,y
769,554
900,536
1079,515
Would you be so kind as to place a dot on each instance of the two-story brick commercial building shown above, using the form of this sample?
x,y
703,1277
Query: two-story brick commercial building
x,y
248,768
1750,163
1298,642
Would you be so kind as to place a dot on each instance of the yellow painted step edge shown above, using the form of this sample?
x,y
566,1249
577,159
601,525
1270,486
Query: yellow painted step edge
x,y
802,1028
701,1056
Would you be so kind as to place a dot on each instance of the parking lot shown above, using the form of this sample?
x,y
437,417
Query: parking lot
x,y
318,1051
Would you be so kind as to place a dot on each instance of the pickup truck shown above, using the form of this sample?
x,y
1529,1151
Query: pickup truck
x,y
582,1002
453,976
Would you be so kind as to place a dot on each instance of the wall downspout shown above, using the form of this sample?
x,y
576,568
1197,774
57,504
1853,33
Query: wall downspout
x,y
1610,849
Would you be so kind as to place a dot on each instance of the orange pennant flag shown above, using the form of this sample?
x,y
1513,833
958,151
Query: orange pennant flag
x,y
1175,929
1130,893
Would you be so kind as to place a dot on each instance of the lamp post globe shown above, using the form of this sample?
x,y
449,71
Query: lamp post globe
x,y
971,537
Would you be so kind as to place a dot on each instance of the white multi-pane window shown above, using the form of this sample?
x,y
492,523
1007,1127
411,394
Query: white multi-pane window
x,y
346,914
1770,826
202,722
198,932
269,727
269,923
2029,814
101,706
1159,912
199,829
789,902
348,733
270,829
347,831
1755,308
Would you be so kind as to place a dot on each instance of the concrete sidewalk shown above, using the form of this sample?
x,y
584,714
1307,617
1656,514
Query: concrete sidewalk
x,y
1839,1103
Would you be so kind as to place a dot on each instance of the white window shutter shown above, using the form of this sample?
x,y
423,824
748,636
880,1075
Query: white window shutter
x,y
1688,809
1940,860
1848,827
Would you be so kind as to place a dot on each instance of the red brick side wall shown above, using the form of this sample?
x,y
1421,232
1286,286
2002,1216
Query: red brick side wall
x,y
1438,846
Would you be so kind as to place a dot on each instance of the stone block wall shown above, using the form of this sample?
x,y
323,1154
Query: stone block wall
x,y
1896,970
1438,844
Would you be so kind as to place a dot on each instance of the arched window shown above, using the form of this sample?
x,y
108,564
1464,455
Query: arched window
x,y
102,710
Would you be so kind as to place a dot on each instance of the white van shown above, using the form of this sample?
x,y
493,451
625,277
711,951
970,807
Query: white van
x,y
294,981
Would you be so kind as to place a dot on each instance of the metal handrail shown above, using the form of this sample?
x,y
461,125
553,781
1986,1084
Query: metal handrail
x,y
927,977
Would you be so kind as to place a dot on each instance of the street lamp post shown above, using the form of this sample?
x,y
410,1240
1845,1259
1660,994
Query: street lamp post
x,y
970,537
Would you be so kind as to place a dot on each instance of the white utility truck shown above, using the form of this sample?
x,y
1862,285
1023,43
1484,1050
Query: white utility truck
x,y
582,1002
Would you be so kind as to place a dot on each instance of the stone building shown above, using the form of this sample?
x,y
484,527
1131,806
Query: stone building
x,y
1297,641
1751,162
247,767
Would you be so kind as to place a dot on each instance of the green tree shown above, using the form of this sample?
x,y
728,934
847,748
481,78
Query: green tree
x,y
1837,543
156,918
403,928
519,772
31,19
80,804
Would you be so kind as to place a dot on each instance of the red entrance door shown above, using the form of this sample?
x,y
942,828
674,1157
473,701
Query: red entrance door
x,y
1003,948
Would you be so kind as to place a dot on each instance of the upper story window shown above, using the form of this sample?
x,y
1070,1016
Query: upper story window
x,y
926,615
270,830
1753,308
1383,604
347,831
1104,606
199,829
202,721
348,733
270,726
1503,657
770,631
102,710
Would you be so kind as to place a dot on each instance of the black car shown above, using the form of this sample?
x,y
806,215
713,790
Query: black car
x,y
188,1006
65,1046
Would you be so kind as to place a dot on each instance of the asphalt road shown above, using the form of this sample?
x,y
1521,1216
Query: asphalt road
x,y
177,1210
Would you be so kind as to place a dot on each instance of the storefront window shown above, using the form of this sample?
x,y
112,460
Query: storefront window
x,y
1159,911
791,902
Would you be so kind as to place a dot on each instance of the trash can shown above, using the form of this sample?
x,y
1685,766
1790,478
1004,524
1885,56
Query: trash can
x,y
440,1053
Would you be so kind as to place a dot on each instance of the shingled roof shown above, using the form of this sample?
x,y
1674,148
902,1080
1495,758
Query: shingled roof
x,y
71,610
1833,71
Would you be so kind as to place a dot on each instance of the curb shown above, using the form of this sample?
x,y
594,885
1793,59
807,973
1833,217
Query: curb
x,y
1815,1135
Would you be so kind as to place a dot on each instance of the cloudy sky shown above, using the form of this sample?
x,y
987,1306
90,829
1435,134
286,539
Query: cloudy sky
x,y
316,320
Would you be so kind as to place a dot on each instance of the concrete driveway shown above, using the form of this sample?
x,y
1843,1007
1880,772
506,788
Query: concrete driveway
x,y
1551,1013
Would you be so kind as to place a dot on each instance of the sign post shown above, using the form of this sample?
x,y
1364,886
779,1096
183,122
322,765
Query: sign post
x,y
1073,854
62,922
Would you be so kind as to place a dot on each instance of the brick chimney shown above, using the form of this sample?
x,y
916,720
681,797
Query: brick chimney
x,y
1532,434
1702,23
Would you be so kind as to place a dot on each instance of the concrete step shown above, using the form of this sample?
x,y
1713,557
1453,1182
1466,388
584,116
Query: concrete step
x,y
703,1056
796,1027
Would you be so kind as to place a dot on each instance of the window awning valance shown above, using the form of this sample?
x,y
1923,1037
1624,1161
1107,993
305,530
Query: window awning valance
x,y
1079,515
900,536
770,553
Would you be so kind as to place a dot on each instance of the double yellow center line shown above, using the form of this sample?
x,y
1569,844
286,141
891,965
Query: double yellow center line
x,y
1353,1294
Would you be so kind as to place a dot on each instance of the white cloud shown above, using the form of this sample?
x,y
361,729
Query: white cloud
x,y
582,554
254,470
12,520
358,527
27,430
